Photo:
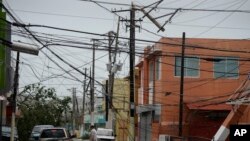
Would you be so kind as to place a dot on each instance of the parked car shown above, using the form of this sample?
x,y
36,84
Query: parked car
x,y
55,134
34,136
104,134
6,132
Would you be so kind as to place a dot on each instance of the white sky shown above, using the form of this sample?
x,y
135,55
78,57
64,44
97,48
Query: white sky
x,y
89,17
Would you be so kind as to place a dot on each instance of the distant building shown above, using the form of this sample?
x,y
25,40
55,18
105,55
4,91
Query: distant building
x,y
99,115
213,70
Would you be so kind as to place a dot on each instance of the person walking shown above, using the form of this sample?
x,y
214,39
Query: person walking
x,y
92,133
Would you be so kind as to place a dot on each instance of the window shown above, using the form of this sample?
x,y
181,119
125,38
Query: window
x,y
191,66
226,67
158,68
151,79
151,93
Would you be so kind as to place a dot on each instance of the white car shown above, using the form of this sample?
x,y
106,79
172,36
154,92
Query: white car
x,y
104,134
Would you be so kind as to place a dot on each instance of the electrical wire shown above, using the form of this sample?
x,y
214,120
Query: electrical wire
x,y
142,40
222,20
167,8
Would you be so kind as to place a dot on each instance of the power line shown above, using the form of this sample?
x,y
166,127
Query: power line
x,y
63,42
222,20
63,15
142,40
168,8
99,18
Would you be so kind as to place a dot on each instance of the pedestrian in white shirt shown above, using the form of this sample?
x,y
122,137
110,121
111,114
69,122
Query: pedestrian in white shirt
x,y
92,133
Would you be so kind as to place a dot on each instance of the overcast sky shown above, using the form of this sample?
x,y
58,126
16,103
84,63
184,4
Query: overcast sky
x,y
90,17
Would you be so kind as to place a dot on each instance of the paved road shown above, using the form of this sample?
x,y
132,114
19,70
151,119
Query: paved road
x,y
79,140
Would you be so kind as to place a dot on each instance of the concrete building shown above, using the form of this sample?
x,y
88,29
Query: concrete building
x,y
121,107
213,70
99,115
118,117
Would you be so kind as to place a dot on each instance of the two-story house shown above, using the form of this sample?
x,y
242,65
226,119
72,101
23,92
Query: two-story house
x,y
213,69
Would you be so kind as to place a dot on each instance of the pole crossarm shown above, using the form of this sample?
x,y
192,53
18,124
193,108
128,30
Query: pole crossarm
x,y
242,94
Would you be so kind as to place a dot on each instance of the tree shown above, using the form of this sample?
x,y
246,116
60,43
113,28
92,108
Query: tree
x,y
39,105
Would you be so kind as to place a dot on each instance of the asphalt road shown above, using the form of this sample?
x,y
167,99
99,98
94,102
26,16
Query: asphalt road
x,y
79,140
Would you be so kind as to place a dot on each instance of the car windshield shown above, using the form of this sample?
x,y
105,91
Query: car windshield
x,y
40,127
53,133
36,129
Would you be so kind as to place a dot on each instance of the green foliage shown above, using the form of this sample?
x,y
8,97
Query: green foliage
x,y
39,105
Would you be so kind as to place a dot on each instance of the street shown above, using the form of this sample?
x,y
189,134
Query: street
x,y
79,140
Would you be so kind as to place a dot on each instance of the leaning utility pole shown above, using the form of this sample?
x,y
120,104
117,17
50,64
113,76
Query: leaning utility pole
x,y
111,121
112,70
181,84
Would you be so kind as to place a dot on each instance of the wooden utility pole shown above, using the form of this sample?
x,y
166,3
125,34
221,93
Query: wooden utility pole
x,y
16,77
112,70
132,58
181,84
73,110
131,67
110,85
110,82
132,27
92,88
83,99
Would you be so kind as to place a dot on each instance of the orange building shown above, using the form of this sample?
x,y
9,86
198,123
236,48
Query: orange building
x,y
213,70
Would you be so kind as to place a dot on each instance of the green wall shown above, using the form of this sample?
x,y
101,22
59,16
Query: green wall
x,y
3,33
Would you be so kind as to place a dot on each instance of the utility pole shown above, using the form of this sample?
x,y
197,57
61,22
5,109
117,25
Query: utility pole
x,y
181,84
16,77
113,74
112,69
74,111
131,67
132,55
111,109
92,89
83,99
132,27
110,82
